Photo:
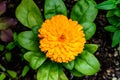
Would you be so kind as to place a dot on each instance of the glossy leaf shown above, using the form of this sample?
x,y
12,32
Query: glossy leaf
x,y
48,71
27,40
84,11
54,7
76,73
61,74
107,5
36,59
110,28
114,20
69,65
35,31
92,48
87,64
2,76
89,29
12,73
116,38
29,14
117,12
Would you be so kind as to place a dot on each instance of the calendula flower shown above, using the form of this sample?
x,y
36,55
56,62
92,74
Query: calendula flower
x,y
61,38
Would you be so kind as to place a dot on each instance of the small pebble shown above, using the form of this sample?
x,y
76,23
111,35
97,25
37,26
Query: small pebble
x,y
113,75
114,78
116,54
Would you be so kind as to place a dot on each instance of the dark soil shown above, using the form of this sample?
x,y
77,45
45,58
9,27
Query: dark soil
x,y
108,57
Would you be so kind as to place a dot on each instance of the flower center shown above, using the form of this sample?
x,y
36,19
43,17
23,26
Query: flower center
x,y
62,38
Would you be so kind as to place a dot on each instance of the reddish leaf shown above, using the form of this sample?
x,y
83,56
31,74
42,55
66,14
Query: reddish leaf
x,y
6,35
2,7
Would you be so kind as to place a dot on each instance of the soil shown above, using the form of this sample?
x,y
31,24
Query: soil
x,y
108,57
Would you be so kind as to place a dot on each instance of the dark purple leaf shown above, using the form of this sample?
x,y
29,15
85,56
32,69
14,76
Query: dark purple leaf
x,y
2,7
5,23
6,35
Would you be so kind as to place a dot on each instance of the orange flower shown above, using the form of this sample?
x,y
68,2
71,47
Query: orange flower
x,y
61,39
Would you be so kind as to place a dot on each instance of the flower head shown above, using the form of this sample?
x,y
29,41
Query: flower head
x,y
61,38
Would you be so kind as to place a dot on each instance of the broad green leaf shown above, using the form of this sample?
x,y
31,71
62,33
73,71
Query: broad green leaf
x,y
107,5
110,28
116,38
89,29
62,75
35,30
48,71
84,11
117,12
87,64
36,59
114,20
27,40
2,76
12,73
92,48
69,65
90,59
29,14
54,7
34,19
118,2
76,73
25,71
110,13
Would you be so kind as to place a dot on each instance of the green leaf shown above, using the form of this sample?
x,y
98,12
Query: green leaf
x,y
92,48
36,59
29,14
117,12
76,73
110,28
107,5
2,76
89,29
8,56
69,65
114,20
1,47
34,19
10,45
12,73
116,38
2,68
48,71
54,7
62,75
25,71
27,40
84,11
87,64
118,2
